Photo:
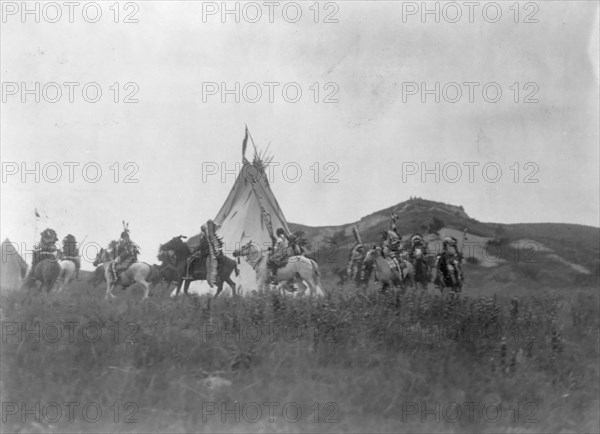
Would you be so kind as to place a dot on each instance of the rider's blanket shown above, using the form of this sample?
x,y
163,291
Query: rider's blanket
x,y
394,265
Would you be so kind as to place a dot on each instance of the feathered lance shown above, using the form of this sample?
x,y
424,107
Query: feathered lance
x,y
356,234
252,140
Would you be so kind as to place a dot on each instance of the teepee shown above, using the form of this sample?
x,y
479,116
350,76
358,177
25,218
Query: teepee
x,y
13,267
250,213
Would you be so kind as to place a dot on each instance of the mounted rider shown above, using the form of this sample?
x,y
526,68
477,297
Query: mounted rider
x,y
279,251
46,248
392,244
70,252
357,256
127,252
450,255
209,252
417,242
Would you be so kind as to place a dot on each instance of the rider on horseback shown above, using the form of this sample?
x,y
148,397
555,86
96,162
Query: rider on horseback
x,y
450,255
200,252
279,255
46,248
392,244
357,255
210,250
127,252
70,252
417,242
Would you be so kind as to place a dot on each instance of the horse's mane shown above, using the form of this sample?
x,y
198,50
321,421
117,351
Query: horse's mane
x,y
176,244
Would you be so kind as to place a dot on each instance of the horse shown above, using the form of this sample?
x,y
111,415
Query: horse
x,y
422,275
46,271
66,275
98,276
167,271
453,280
386,274
297,269
138,272
182,252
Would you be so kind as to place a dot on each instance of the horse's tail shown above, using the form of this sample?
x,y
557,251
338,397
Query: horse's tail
x,y
316,274
153,274
235,268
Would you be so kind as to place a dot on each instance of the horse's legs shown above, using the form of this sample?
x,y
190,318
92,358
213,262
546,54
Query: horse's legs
x,y
109,287
146,288
231,284
260,281
219,288
179,284
313,287
301,286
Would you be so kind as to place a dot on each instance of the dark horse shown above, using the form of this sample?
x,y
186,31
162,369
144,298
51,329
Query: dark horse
x,y
422,275
46,272
197,269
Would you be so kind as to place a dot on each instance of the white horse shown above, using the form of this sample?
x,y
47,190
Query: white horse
x,y
138,272
67,273
299,269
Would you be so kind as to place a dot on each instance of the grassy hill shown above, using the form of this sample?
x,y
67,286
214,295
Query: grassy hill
x,y
529,255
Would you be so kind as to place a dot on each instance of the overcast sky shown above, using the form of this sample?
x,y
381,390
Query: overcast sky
x,y
371,141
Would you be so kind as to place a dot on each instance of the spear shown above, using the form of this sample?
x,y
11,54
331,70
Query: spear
x,y
463,241
252,140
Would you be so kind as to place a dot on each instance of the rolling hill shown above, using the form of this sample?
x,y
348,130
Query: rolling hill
x,y
518,255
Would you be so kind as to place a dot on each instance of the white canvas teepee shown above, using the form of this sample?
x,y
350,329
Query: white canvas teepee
x,y
250,213
12,267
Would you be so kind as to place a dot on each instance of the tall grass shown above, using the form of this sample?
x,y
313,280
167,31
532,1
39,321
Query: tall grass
x,y
367,359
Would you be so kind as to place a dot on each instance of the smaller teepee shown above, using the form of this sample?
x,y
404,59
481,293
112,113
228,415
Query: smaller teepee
x,y
13,268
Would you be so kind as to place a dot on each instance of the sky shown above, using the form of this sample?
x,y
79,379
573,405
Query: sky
x,y
364,133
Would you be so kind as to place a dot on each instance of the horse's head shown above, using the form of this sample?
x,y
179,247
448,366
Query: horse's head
x,y
99,257
370,255
250,251
165,255
176,244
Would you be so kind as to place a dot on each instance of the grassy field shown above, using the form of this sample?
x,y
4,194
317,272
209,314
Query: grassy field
x,y
356,361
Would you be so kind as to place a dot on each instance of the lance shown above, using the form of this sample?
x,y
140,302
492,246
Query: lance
x,y
463,241
83,241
